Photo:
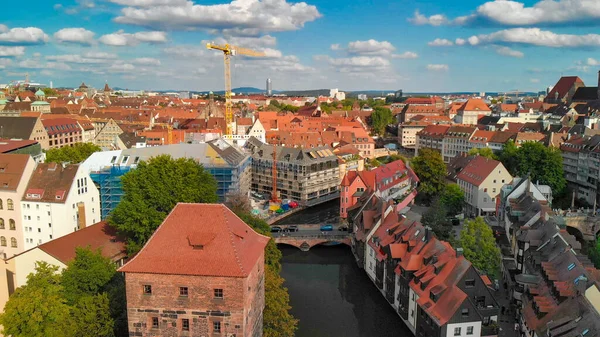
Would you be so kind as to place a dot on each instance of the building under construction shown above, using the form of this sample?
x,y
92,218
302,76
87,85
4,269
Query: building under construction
x,y
309,176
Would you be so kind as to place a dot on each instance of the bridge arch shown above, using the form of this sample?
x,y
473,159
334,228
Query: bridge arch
x,y
306,243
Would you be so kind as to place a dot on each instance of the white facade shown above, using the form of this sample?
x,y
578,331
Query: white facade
x,y
45,221
370,261
24,264
482,199
412,308
468,329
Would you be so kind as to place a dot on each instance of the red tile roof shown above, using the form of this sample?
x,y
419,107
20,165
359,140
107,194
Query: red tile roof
x,y
97,236
474,104
478,169
12,167
61,125
563,86
8,145
200,239
50,182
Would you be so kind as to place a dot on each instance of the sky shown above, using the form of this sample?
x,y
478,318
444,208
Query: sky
x,y
414,45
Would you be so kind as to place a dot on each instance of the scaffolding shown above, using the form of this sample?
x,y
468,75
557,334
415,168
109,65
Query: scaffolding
x,y
108,181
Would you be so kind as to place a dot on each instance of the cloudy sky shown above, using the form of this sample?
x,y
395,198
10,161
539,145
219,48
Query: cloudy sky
x,y
414,45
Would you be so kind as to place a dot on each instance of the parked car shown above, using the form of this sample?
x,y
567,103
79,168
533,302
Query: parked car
x,y
343,229
276,229
326,228
293,228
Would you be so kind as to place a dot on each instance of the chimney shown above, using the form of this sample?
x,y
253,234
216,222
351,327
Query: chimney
x,y
459,252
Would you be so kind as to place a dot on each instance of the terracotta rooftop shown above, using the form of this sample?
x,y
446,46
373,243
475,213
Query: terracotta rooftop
x,y
563,86
474,104
200,239
8,145
12,167
478,169
50,182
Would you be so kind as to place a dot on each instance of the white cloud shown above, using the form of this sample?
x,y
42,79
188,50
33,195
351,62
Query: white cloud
x,y
99,55
406,55
437,67
335,46
3,28
370,47
121,39
239,16
148,61
75,35
534,80
75,58
357,64
434,20
536,37
199,71
11,51
121,68
149,3
187,52
440,43
23,36
506,51
592,62
460,42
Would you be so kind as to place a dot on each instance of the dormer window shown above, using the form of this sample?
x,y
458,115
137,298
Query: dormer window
x,y
58,197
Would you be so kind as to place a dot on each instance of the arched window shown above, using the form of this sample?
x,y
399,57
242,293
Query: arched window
x,y
2,241
11,225
9,205
13,242
1,223
1,204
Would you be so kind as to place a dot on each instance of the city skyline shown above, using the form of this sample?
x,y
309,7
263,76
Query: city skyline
x,y
417,46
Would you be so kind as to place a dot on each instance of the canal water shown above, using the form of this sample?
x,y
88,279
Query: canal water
x,y
327,212
332,297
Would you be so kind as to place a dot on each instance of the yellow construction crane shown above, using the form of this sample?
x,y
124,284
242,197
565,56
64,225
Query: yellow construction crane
x,y
228,51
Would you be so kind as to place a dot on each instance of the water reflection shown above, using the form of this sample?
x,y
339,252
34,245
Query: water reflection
x,y
332,297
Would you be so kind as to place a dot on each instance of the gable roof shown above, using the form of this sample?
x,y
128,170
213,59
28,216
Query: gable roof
x,y
477,170
474,104
50,182
201,240
17,127
563,86
12,167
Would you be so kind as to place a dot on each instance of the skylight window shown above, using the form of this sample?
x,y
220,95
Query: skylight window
x,y
571,266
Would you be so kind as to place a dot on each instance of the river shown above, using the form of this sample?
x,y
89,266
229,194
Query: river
x,y
332,297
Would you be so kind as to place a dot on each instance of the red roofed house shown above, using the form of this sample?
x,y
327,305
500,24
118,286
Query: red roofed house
x,y
62,132
390,181
471,110
481,180
564,89
200,274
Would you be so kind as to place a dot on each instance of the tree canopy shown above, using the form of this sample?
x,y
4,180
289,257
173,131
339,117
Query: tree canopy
x,y
87,274
541,163
380,119
437,219
38,309
431,170
453,199
479,247
484,152
153,189
72,154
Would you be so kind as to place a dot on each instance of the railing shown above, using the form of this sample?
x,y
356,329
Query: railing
x,y
332,237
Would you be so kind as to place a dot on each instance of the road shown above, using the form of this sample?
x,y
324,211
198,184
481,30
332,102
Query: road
x,y
311,230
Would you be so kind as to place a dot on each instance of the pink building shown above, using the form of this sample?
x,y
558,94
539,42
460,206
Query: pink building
x,y
392,181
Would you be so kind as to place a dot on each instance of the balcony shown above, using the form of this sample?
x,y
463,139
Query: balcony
x,y
489,330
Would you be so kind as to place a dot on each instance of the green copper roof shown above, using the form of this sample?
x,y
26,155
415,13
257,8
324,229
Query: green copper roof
x,y
40,103
40,93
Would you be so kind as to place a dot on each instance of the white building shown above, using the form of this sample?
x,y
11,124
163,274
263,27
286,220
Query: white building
x,y
57,201
15,171
337,94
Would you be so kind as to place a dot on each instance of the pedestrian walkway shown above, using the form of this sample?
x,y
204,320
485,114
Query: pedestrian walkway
x,y
507,315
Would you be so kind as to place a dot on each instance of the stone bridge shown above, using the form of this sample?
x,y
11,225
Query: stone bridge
x,y
305,242
587,226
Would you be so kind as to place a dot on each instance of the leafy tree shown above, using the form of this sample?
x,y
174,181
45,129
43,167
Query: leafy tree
x,y
594,253
431,170
91,316
277,320
436,217
484,152
380,118
38,309
153,189
238,202
72,154
509,157
87,275
115,290
544,164
453,199
49,92
479,246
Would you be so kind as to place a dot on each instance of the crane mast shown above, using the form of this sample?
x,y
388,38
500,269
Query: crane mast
x,y
228,51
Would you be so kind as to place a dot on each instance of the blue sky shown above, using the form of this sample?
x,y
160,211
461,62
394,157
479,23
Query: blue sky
x,y
414,45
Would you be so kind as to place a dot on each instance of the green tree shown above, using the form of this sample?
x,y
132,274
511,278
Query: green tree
x,y
277,320
72,154
509,156
38,309
87,275
594,253
484,152
380,118
453,199
49,92
437,219
153,189
543,164
479,247
431,170
91,317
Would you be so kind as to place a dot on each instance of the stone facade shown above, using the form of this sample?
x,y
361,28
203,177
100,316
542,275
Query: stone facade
x,y
238,313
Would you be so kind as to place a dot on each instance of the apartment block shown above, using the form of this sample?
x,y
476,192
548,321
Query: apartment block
x,y
581,165
307,175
